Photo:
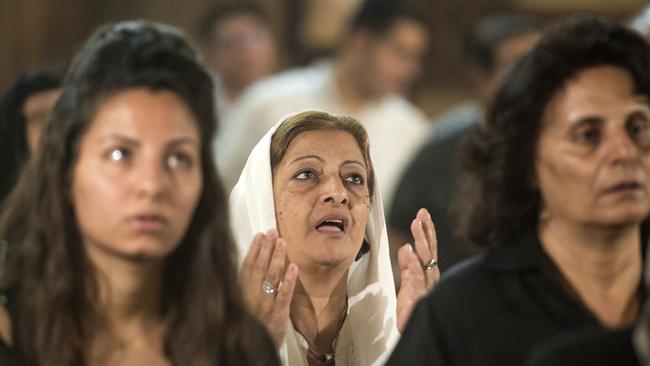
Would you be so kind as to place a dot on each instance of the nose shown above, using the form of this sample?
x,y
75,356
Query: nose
x,y
621,148
151,179
334,191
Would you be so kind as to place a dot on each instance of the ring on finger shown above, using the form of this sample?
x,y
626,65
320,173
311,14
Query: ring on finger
x,y
268,288
430,264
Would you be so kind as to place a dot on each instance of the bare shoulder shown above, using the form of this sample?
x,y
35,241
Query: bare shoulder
x,y
5,326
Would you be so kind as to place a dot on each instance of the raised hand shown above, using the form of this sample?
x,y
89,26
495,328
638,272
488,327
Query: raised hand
x,y
419,268
268,284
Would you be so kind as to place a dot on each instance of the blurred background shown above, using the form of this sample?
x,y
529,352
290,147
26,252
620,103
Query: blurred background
x,y
37,33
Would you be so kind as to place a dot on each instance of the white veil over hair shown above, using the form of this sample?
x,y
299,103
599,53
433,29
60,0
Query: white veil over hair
x,y
371,322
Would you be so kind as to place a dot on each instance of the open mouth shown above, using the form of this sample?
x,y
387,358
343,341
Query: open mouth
x,y
624,187
331,225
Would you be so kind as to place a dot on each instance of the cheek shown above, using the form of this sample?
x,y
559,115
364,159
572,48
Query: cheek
x,y
189,193
361,213
95,198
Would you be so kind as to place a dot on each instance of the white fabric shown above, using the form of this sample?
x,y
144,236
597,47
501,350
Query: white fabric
x,y
396,129
370,329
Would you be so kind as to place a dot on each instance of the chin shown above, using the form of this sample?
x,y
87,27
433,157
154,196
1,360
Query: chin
x,y
148,251
626,217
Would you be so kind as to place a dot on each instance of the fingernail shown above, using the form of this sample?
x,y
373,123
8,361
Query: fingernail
x,y
271,233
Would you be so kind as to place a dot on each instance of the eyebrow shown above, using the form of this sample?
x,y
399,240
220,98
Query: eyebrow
x,y
134,142
357,162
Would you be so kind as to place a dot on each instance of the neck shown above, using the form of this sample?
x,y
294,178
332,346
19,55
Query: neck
x,y
130,294
232,91
318,308
602,265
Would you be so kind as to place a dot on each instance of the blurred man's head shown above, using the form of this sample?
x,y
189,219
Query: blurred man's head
x,y
497,42
238,44
385,45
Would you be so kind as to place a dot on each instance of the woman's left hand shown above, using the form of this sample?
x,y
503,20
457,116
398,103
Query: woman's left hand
x,y
419,268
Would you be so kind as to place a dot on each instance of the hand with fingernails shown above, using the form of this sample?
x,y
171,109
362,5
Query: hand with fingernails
x,y
268,283
419,268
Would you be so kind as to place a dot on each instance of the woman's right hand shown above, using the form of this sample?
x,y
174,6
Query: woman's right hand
x,y
268,284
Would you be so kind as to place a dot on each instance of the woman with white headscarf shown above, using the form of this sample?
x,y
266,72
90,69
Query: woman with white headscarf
x,y
310,183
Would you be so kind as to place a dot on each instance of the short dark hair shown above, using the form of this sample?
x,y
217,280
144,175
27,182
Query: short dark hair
x,y
482,40
379,16
229,9
499,198
48,273
14,150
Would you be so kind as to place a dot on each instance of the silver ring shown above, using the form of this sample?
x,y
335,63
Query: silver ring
x,y
430,264
268,288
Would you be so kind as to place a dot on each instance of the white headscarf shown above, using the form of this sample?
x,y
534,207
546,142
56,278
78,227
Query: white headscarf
x,y
371,317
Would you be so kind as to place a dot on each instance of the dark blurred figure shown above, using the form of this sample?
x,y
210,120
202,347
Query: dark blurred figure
x,y
556,184
239,47
24,109
430,181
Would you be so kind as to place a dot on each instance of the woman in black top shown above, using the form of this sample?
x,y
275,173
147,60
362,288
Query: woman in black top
x,y
558,188
117,245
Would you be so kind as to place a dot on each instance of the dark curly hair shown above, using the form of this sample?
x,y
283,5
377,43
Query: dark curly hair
x,y
51,282
499,199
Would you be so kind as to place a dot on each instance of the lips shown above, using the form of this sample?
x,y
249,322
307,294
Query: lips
x,y
624,187
332,224
148,223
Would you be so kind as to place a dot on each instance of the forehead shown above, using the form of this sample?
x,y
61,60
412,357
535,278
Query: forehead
x,y
601,83
145,112
599,89
408,31
325,144
237,22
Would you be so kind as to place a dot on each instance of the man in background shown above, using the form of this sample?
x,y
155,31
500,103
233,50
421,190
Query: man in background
x,y
377,62
494,44
239,48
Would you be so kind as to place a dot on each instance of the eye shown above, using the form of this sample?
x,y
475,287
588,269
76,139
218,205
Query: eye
x,y
638,128
589,135
118,154
356,179
304,175
179,160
